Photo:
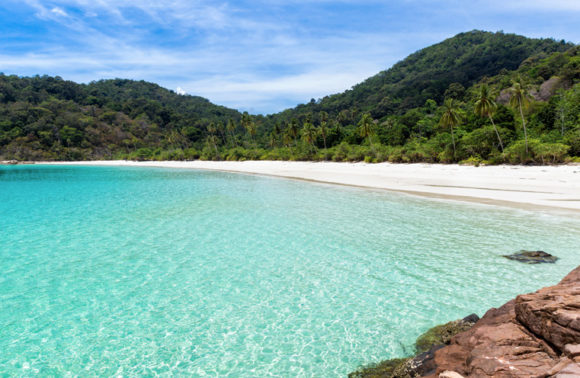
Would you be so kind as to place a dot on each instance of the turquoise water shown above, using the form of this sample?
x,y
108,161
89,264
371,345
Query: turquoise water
x,y
137,271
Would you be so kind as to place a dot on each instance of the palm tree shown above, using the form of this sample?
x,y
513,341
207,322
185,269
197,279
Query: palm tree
x,y
287,139
451,117
221,129
249,125
211,128
273,141
174,138
212,139
486,107
309,134
252,129
343,116
366,127
323,128
293,129
337,129
231,128
277,129
520,100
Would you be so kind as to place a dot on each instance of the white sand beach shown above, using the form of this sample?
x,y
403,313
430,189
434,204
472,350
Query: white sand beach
x,y
547,187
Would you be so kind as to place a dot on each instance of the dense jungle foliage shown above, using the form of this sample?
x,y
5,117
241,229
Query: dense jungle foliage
x,y
478,97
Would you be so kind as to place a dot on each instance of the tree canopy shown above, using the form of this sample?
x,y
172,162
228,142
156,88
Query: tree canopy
x,y
518,100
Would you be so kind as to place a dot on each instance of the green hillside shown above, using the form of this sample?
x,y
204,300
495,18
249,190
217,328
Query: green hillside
x,y
427,74
47,118
428,107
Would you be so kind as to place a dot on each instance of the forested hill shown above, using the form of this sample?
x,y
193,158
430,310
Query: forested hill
x,y
476,97
464,59
50,118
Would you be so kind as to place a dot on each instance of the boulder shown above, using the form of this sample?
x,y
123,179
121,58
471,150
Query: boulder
x,y
547,89
532,257
534,335
552,313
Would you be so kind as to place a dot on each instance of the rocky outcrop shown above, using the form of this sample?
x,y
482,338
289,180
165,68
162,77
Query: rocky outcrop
x,y
535,335
532,257
442,334
553,314
547,89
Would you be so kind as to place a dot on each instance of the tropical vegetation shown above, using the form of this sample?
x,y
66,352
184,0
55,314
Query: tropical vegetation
x,y
478,97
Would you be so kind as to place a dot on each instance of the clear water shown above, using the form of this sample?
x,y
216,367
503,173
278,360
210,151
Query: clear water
x,y
135,271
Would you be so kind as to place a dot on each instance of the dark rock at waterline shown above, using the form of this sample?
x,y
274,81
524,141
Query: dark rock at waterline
x,y
421,365
426,345
532,257
442,334
383,369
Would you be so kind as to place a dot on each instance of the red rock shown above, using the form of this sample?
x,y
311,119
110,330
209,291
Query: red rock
x,y
570,371
552,313
572,350
531,336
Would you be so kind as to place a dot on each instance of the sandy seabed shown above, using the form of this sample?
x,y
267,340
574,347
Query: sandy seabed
x,y
540,187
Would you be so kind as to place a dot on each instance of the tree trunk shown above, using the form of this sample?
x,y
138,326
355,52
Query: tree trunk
x,y
524,125
562,119
371,144
497,133
453,140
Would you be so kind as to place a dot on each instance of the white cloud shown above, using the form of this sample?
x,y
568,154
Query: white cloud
x,y
180,91
241,57
59,12
547,5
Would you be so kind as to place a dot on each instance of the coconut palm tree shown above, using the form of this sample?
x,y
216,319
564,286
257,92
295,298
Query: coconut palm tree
x,y
520,99
366,127
323,126
486,107
273,139
343,116
451,117
287,139
249,125
231,128
309,134
212,139
252,129
293,129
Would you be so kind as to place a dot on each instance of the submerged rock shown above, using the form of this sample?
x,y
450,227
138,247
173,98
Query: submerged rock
x,y
532,257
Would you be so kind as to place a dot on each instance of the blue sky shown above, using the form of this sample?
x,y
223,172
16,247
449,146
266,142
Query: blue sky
x,y
259,56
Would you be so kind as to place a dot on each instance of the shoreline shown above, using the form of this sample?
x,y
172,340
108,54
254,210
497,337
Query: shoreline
x,y
525,187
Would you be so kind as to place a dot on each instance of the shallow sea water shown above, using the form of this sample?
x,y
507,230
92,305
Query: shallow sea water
x,y
141,271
